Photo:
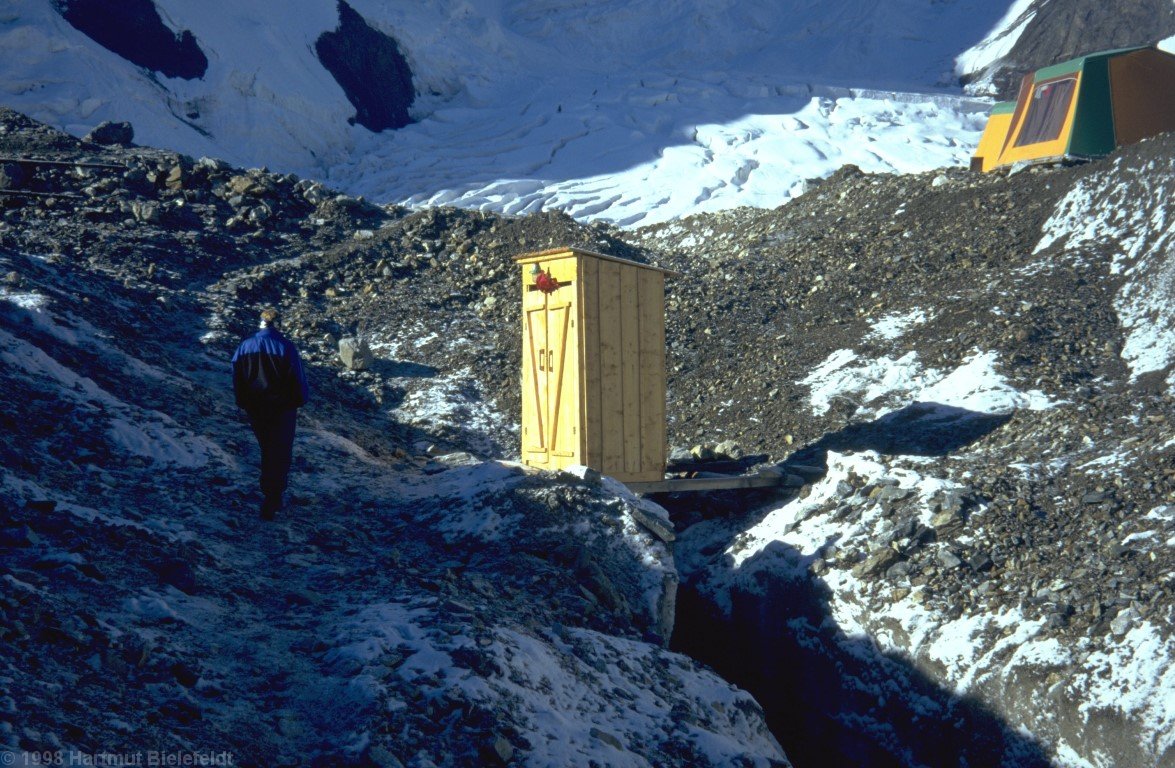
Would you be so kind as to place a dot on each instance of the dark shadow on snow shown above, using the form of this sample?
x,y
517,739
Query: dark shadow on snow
x,y
403,369
919,429
832,698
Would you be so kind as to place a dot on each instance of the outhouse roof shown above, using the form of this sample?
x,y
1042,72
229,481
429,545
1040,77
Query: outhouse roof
x,y
527,258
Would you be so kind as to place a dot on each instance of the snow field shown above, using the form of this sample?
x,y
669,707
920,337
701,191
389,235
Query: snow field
x,y
630,113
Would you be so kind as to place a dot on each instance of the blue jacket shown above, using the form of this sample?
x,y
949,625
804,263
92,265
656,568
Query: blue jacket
x,y
267,374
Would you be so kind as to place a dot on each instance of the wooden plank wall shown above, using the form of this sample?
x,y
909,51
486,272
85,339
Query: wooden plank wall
x,y
624,369
534,332
651,292
611,402
589,356
630,370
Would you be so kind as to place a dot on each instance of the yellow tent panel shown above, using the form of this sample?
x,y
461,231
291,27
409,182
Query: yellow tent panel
x,y
1041,131
995,135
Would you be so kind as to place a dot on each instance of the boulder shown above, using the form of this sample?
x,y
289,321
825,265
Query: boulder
x,y
878,561
729,449
355,353
175,178
702,453
112,133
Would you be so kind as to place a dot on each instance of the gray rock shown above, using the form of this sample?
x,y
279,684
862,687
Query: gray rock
x,y
381,758
146,211
899,570
729,449
503,749
979,561
243,184
891,494
946,523
948,559
949,502
702,453
877,562
903,530
459,459
654,526
355,353
175,178
18,536
607,738
1123,622
112,133
314,194
583,473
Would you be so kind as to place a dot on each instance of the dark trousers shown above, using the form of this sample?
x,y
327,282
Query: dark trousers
x,y
275,435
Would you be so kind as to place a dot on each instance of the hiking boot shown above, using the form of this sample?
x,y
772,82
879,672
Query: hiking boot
x,y
270,506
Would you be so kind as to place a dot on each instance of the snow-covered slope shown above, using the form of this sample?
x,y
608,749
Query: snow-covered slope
x,y
999,42
632,112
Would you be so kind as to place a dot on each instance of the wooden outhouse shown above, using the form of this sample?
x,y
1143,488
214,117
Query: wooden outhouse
x,y
593,363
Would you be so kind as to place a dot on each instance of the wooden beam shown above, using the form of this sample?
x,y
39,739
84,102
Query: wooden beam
x,y
28,193
630,384
692,484
810,473
529,258
651,369
611,396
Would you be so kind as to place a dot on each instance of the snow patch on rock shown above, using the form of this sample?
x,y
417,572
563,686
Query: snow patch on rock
x,y
978,59
1124,216
880,386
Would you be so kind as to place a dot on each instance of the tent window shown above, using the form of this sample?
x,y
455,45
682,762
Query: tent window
x,y
1046,114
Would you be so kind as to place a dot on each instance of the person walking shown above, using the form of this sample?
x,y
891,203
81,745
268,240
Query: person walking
x,y
270,386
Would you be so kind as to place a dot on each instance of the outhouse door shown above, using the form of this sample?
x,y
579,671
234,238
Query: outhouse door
x,y
551,355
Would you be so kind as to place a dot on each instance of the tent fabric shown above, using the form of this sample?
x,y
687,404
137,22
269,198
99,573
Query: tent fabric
x,y
1048,110
1085,107
1093,125
1142,85
1044,124
991,144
